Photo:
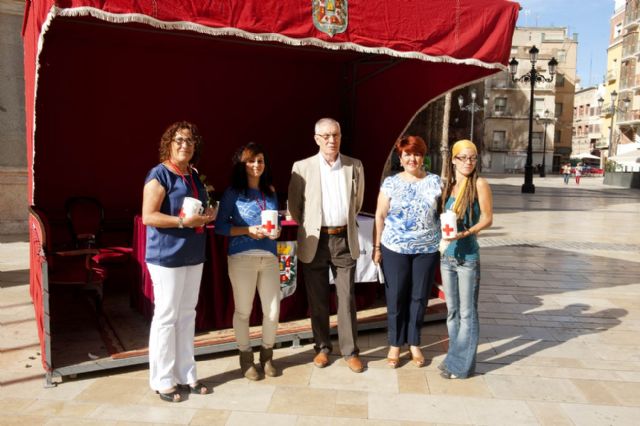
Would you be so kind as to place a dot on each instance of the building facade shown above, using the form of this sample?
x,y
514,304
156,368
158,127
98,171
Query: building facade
x,y
13,153
587,122
626,123
506,126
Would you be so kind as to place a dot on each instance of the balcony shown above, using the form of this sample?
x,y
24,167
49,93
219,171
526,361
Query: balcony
x,y
506,113
612,75
628,83
628,117
632,49
631,18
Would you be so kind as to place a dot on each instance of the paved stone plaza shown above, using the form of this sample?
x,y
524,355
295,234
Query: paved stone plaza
x,y
560,339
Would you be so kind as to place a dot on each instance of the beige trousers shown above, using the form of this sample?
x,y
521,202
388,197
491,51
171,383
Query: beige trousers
x,y
248,273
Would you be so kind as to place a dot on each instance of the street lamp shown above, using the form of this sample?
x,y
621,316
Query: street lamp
x,y
472,107
545,120
613,108
532,77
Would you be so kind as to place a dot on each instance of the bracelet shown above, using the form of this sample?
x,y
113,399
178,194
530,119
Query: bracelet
x,y
180,222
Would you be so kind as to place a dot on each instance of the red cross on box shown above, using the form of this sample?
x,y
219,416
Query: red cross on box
x,y
269,226
447,229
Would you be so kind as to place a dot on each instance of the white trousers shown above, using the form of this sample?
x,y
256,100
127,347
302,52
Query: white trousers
x,y
246,274
171,359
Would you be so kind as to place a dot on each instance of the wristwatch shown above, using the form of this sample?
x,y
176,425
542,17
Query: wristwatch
x,y
180,222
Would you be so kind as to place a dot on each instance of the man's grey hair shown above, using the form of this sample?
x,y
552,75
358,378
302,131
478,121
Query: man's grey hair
x,y
323,121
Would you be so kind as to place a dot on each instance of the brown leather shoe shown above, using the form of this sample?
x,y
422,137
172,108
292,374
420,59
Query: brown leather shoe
x,y
321,360
355,364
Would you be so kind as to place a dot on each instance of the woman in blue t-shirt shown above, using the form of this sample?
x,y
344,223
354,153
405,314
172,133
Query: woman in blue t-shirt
x,y
405,237
252,261
469,196
175,254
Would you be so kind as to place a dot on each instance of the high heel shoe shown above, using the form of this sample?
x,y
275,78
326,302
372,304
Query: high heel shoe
x,y
418,360
393,362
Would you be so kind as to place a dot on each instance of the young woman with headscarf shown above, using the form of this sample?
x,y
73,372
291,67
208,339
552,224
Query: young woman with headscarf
x,y
469,196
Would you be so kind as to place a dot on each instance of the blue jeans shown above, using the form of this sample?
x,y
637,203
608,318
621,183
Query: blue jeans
x,y
461,280
408,280
566,177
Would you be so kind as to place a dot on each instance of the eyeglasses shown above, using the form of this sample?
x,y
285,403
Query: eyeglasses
x,y
464,158
328,136
180,140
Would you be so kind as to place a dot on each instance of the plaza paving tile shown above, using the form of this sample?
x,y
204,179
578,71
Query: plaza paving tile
x,y
559,345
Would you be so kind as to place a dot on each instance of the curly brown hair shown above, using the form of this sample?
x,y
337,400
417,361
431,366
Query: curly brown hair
x,y
170,133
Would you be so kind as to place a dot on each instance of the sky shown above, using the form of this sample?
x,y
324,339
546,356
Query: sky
x,y
588,18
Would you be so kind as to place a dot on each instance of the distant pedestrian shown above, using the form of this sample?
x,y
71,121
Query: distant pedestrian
x,y
578,171
566,173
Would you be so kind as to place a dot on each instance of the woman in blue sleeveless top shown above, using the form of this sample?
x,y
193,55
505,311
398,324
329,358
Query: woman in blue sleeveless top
x,y
469,196
175,254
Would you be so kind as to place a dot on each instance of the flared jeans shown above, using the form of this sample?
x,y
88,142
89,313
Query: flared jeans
x,y
461,280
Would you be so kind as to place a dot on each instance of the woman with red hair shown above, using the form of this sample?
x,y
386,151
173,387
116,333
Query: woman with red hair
x,y
406,235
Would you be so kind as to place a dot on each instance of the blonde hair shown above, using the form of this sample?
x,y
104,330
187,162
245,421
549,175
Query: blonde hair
x,y
467,187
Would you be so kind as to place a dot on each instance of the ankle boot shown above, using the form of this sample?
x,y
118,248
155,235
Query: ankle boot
x,y
266,361
246,365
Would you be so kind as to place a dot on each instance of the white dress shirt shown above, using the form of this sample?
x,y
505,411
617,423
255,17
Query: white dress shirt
x,y
334,193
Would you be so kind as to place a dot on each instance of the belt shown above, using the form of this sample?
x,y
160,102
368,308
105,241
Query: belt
x,y
333,230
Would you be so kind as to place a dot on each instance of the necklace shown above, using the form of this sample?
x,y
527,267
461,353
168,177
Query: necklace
x,y
262,204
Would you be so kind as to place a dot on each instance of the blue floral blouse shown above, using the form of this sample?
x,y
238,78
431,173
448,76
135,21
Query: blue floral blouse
x,y
412,225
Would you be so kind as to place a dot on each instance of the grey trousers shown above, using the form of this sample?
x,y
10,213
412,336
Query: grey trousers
x,y
333,253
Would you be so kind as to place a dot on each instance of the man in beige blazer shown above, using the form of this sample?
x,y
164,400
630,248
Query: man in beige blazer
x,y
325,196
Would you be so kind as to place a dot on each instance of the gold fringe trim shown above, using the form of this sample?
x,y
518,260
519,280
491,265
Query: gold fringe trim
x,y
199,28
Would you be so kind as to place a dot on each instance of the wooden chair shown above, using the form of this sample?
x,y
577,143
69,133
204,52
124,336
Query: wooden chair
x,y
69,268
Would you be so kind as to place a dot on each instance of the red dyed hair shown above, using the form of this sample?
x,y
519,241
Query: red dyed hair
x,y
411,145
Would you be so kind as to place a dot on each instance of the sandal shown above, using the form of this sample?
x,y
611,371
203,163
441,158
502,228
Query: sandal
x,y
198,389
393,362
173,396
418,360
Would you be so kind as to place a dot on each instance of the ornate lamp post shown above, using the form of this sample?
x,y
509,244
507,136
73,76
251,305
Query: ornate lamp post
x,y
545,120
532,77
472,107
613,109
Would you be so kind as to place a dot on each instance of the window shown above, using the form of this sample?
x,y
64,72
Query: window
x,y
596,128
556,136
562,56
500,105
536,141
538,106
573,132
499,139
617,31
559,80
559,109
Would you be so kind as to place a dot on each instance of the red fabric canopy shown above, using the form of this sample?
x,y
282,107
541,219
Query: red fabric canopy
x,y
103,79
